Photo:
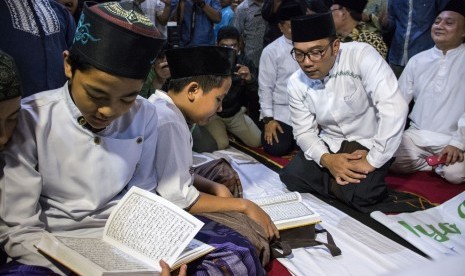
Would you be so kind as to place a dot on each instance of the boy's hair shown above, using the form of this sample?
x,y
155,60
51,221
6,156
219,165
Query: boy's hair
x,y
206,82
228,32
78,63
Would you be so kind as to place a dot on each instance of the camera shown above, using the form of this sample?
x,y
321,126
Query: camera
x,y
173,33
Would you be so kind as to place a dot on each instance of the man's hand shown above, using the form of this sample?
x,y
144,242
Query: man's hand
x,y
165,269
362,164
256,213
243,72
454,155
343,167
270,131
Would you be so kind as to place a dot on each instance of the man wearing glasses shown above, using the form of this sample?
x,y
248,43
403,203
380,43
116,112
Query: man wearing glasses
x,y
347,115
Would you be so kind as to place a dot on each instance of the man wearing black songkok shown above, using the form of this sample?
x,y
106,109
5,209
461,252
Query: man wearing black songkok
x,y
434,80
347,114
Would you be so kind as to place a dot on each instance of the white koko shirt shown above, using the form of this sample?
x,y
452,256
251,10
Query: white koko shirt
x,y
60,177
174,152
437,84
358,101
276,66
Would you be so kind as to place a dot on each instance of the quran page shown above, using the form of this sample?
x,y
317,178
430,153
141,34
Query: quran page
x,y
150,227
281,198
287,210
91,256
142,229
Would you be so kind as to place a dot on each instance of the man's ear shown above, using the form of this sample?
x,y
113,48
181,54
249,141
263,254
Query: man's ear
x,y
193,91
336,45
68,69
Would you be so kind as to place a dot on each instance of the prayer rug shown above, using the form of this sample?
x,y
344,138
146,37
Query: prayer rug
x,y
407,193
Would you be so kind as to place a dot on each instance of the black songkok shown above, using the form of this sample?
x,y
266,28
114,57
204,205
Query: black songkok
x,y
354,5
456,6
10,86
201,60
288,10
117,38
312,27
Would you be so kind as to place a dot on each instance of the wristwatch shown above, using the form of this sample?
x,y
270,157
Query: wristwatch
x,y
266,120
201,4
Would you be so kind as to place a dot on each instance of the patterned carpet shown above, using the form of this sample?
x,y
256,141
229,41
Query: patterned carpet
x,y
408,193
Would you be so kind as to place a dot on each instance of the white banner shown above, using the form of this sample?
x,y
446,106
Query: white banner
x,y
438,232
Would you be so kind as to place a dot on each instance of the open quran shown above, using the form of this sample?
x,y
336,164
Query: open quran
x,y
287,210
142,229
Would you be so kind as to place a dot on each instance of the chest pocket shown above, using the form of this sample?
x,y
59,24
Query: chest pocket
x,y
355,99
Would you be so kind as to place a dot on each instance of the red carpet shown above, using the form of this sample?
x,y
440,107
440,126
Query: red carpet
x,y
275,268
424,184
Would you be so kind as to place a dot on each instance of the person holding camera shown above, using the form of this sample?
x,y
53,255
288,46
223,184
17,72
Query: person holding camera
x,y
233,117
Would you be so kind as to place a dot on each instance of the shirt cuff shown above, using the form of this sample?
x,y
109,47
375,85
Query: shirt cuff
x,y
457,144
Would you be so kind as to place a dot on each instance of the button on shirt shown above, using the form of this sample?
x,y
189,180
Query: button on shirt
x,y
436,82
359,101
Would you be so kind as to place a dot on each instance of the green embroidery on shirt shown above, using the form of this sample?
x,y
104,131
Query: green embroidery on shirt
x,y
346,73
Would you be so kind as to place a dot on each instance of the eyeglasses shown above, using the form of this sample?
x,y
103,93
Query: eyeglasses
x,y
314,55
335,9
232,46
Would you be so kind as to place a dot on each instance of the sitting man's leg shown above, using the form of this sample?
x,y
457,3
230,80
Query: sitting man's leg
x,y
244,128
217,129
454,174
286,142
369,191
304,175
409,157
203,141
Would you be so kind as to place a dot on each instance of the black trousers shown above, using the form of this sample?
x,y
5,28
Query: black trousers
x,y
306,176
286,142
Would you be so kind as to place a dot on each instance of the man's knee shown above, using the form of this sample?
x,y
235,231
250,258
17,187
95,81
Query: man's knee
x,y
454,174
303,175
222,143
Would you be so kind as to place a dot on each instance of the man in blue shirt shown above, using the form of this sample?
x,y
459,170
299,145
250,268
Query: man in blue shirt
x,y
411,22
227,16
35,34
196,20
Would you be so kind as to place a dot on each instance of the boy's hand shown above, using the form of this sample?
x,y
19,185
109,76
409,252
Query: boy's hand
x,y
256,213
165,269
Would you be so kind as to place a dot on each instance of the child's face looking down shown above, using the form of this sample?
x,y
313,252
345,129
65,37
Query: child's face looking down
x,y
208,104
101,97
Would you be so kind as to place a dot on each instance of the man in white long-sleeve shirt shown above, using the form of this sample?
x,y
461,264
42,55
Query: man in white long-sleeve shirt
x,y
435,80
347,114
276,66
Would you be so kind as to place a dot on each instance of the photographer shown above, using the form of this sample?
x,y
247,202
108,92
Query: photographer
x,y
244,85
